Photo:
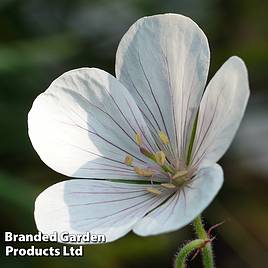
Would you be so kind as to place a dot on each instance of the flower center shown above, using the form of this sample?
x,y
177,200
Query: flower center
x,y
174,171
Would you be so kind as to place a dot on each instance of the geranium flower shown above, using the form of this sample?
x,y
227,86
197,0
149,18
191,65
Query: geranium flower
x,y
144,144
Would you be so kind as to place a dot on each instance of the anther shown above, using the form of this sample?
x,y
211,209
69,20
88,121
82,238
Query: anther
x,y
144,172
153,190
168,185
160,158
180,174
147,153
138,138
163,137
128,160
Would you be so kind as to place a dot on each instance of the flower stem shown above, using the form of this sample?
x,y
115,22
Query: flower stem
x,y
186,250
207,254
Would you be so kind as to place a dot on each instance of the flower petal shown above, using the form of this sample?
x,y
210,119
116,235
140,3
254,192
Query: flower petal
x,y
163,61
221,111
84,125
98,207
185,205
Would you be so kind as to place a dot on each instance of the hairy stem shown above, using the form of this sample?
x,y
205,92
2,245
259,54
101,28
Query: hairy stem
x,y
186,250
207,253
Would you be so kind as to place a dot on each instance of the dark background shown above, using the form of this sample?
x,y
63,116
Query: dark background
x,y
41,39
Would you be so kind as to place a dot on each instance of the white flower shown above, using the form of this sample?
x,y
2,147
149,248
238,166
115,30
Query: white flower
x,y
138,127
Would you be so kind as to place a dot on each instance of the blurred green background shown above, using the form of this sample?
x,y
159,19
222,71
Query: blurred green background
x,y
41,39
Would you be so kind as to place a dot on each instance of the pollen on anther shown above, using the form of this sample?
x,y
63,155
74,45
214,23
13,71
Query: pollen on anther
x,y
138,138
128,160
168,185
144,172
163,137
180,174
153,190
160,158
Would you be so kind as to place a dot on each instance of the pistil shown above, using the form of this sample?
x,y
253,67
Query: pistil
x,y
180,178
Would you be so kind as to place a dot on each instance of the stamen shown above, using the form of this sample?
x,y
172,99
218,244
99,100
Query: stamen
x,y
180,174
138,138
153,190
144,172
163,137
177,164
160,158
147,153
168,185
128,160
